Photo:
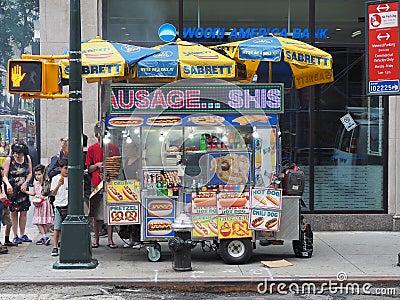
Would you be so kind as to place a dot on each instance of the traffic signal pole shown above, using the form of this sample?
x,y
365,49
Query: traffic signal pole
x,y
75,251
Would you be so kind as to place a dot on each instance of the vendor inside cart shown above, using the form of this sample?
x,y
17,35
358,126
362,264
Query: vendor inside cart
x,y
131,171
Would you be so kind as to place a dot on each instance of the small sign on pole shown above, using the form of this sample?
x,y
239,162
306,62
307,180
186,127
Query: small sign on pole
x,y
348,122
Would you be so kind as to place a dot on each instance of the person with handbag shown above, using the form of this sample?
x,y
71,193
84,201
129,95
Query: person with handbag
x,y
42,214
59,189
16,177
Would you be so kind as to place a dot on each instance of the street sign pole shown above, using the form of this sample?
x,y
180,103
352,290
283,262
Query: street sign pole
x,y
75,251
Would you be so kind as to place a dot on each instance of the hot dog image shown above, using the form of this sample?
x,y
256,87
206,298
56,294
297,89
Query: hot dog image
x,y
160,208
159,227
205,200
262,200
233,202
200,228
213,226
114,193
131,195
271,223
257,222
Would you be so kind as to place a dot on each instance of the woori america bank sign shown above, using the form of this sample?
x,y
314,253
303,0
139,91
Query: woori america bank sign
x,y
250,32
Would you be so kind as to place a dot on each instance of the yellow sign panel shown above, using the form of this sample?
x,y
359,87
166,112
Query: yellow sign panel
x,y
234,227
204,226
123,190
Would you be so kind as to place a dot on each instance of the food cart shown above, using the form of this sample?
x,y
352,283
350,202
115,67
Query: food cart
x,y
208,149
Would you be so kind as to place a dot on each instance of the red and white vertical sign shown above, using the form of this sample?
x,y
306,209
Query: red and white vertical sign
x,y
383,48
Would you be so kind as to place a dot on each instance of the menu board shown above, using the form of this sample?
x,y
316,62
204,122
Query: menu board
x,y
233,203
123,190
233,227
264,219
204,203
266,198
124,214
159,217
204,226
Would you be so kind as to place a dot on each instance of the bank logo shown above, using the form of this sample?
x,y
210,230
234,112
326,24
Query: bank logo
x,y
167,32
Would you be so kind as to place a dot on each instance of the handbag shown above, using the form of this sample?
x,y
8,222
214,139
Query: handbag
x,y
63,211
38,201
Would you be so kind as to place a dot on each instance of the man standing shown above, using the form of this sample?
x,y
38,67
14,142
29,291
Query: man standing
x,y
94,162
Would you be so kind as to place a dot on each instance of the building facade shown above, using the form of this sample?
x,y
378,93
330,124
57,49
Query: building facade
x,y
352,176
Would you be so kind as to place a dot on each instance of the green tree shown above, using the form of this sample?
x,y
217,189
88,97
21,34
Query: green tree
x,y
16,32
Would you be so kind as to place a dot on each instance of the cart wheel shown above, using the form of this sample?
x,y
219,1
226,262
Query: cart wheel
x,y
154,252
235,251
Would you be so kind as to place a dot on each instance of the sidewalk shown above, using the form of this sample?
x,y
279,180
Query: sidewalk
x,y
359,256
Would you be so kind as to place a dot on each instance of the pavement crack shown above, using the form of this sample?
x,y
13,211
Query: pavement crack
x,y
337,252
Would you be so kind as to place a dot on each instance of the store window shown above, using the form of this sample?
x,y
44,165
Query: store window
x,y
137,21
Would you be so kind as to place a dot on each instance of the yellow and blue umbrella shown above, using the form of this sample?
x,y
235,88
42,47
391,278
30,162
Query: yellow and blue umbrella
x,y
280,59
183,59
103,59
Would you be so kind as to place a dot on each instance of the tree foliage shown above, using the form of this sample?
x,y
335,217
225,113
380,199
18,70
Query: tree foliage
x,y
17,28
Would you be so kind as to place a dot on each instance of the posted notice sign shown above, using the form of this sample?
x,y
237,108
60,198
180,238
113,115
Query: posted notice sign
x,y
383,48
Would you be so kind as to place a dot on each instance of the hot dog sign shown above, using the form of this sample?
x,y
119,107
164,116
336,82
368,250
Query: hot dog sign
x,y
123,190
266,198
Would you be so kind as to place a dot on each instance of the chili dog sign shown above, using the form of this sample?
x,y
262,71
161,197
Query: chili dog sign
x,y
215,98
123,190
264,219
124,214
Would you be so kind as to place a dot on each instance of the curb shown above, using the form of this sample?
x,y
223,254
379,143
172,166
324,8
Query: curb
x,y
209,284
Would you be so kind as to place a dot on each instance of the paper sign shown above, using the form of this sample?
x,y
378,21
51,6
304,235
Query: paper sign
x,y
263,219
233,227
124,214
123,190
204,226
266,198
233,203
204,203
348,122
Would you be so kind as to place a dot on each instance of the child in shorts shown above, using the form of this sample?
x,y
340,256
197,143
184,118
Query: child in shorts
x,y
59,189
43,214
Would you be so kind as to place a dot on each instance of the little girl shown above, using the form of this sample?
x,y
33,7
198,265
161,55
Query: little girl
x,y
42,215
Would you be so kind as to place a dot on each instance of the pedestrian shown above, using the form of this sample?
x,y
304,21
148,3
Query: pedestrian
x,y
59,189
33,152
17,174
42,214
94,161
54,161
87,179
5,217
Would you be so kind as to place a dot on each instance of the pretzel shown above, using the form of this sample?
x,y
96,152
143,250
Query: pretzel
x,y
239,228
131,215
117,216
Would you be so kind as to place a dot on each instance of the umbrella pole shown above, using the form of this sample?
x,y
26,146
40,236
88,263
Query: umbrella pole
x,y
270,72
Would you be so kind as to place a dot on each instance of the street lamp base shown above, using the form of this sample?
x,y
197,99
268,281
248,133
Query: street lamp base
x,y
89,265
75,250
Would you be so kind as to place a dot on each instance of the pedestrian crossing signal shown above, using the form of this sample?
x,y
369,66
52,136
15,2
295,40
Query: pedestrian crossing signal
x,y
32,77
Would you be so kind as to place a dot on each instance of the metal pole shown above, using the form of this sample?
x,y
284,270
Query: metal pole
x,y
75,251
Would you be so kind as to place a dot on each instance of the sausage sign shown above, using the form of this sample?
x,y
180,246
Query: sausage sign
x,y
218,98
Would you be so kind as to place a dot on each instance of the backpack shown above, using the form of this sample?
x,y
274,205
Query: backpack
x,y
46,183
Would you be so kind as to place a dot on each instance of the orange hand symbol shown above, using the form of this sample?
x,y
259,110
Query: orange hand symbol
x,y
17,76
